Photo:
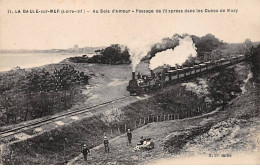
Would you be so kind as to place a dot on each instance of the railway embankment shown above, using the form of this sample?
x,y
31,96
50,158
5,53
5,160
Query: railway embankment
x,y
224,135
64,143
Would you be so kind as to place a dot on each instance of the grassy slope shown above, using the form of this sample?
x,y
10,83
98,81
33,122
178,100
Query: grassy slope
x,y
177,138
238,134
50,150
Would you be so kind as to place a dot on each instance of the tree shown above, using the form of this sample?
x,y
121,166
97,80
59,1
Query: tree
x,y
215,54
165,44
114,54
207,44
248,44
67,81
254,60
40,98
11,94
28,95
223,86
125,55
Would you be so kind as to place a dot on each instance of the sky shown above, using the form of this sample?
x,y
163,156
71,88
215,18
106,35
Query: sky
x,y
47,31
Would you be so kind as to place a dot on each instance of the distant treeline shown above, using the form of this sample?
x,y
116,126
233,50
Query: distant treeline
x,y
208,47
114,54
204,44
27,95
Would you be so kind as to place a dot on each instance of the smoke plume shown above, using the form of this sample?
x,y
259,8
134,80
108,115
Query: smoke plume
x,y
178,55
166,43
136,54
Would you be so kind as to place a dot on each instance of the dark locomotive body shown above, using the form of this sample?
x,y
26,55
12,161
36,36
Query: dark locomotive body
x,y
139,84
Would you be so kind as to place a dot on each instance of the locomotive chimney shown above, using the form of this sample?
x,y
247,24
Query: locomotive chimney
x,y
165,69
133,75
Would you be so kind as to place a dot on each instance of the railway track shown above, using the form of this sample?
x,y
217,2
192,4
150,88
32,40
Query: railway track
x,y
41,122
44,121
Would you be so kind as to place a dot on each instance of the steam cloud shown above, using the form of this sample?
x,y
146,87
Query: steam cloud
x,y
136,54
140,47
178,55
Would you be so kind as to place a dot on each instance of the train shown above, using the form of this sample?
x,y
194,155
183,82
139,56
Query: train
x,y
141,84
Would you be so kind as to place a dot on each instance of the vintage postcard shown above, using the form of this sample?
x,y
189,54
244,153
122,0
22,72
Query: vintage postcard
x,y
119,82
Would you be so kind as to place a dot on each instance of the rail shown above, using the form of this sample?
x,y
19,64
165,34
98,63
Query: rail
x,y
9,132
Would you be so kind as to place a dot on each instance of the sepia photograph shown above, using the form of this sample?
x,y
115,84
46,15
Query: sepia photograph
x,y
119,82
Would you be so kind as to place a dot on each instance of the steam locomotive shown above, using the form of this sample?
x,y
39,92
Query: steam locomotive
x,y
140,84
